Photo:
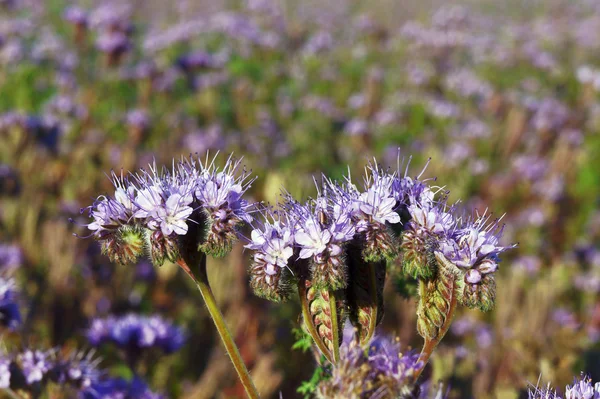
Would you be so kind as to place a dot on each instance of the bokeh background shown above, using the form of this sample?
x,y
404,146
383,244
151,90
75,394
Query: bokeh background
x,y
501,95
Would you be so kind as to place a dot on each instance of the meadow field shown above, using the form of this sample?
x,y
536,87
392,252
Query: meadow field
x,y
427,173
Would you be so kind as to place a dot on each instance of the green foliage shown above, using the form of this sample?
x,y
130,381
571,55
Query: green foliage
x,y
308,388
303,340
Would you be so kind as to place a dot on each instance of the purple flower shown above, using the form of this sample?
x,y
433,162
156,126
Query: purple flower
x,y
117,388
35,364
312,238
379,371
582,388
386,358
10,315
4,372
475,245
378,201
79,370
75,15
11,257
134,333
273,244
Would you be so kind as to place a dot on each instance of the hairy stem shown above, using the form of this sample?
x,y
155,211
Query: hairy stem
x,y
203,286
334,327
309,322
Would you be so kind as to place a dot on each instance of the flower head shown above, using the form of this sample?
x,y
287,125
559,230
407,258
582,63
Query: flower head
x,y
161,206
273,244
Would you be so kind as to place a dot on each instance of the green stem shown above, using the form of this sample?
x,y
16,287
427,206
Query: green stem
x,y
203,286
334,327
309,323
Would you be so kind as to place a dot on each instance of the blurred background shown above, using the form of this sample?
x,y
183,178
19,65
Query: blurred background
x,y
502,95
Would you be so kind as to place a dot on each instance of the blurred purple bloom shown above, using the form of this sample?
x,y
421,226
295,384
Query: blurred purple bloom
x,y
11,257
117,388
35,364
4,372
134,333
10,316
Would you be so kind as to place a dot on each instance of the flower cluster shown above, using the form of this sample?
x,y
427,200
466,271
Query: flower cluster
x,y
335,248
381,370
134,333
32,369
582,388
78,373
155,209
10,316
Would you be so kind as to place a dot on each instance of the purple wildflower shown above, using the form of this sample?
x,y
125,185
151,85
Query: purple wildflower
x,y
11,257
582,388
379,371
79,370
322,228
133,333
34,365
474,248
273,246
4,372
162,205
10,316
119,388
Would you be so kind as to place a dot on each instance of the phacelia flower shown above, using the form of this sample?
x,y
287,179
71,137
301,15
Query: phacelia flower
x,y
428,225
134,333
10,315
582,388
194,200
322,228
273,246
474,248
380,370
220,195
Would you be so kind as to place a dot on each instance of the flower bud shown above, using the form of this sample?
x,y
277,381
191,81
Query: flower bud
x,y
125,245
162,247
481,295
